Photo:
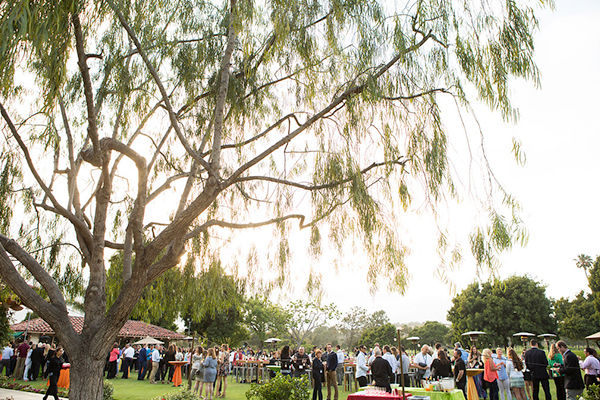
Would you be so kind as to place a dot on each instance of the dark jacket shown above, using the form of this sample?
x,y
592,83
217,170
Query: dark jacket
x,y
317,370
381,370
536,362
332,361
37,355
55,365
571,371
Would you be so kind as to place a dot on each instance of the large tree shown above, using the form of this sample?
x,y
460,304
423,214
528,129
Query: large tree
x,y
149,126
431,332
576,318
501,308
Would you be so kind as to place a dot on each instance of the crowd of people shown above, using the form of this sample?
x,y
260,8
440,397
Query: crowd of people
x,y
28,361
518,374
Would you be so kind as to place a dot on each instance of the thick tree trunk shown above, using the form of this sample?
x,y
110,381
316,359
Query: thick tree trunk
x,y
86,375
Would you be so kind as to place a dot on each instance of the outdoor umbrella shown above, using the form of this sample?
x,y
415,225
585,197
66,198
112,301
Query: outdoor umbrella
x,y
148,340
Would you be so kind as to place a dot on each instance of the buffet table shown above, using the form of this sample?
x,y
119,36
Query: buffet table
x,y
372,395
455,394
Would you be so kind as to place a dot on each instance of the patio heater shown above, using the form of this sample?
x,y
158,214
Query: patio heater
x,y
415,341
524,337
547,337
474,335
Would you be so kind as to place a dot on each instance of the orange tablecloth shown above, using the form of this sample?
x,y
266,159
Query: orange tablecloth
x,y
64,379
471,388
177,373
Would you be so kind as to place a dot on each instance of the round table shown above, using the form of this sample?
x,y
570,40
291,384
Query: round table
x,y
471,388
177,373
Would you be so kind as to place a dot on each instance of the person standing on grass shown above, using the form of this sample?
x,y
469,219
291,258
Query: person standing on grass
x,y
54,367
198,369
210,372
537,362
155,363
331,366
112,361
570,368
514,370
555,360
490,373
361,366
317,375
503,381
223,372
460,372
142,362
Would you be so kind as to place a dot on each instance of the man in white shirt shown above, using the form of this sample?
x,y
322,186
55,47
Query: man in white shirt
x,y
128,354
422,363
339,371
7,353
361,366
389,357
155,363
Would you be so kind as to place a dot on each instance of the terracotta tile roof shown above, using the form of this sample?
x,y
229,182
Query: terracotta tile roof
x,y
130,329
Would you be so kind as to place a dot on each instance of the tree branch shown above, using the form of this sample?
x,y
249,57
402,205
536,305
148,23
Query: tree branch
x,y
38,272
231,225
161,88
87,84
414,96
80,226
215,160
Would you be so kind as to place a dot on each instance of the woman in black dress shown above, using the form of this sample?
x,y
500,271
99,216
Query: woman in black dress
x,y
441,366
54,366
317,374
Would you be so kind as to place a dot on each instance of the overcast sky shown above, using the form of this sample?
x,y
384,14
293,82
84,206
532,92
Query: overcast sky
x,y
557,186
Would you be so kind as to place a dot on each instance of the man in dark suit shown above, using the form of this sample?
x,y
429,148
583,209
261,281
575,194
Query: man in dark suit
x,y
37,357
332,362
570,368
142,363
537,362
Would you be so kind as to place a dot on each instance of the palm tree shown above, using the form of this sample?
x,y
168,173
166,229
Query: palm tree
x,y
584,262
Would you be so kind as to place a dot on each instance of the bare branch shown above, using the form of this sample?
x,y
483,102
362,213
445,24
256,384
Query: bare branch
x,y
161,88
87,83
414,96
232,225
215,160
167,185
38,272
79,225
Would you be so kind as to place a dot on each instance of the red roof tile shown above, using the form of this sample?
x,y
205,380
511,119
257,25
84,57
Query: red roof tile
x,y
130,329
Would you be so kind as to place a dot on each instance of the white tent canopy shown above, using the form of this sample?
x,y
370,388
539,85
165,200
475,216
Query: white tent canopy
x,y
148,340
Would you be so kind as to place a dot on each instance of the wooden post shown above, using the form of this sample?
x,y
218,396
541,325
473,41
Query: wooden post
x,y
401,363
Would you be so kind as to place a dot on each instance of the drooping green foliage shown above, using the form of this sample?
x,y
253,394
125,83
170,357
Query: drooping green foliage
x,y
501,308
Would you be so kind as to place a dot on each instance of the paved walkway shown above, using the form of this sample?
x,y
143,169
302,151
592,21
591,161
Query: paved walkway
x,y
19,395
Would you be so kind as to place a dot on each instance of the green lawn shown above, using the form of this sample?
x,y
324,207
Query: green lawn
x,y
132,389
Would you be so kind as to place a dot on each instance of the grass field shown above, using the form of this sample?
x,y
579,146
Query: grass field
x,y
132,389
